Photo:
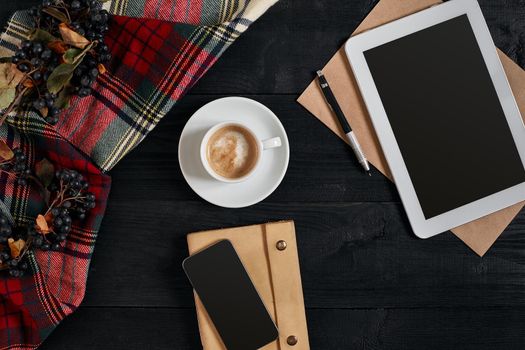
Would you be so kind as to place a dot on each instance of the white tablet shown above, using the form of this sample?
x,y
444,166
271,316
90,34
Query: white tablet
x,y
444,114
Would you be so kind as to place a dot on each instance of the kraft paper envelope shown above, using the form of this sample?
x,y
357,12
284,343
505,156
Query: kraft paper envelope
x,y
275,274
480,234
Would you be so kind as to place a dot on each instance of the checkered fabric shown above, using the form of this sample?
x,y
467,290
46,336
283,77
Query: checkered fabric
x,y
160,49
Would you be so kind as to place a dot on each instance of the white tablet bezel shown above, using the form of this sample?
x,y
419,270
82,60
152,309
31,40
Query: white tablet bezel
x,y
355,48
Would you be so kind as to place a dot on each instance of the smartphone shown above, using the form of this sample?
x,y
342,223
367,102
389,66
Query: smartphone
x,y
230,298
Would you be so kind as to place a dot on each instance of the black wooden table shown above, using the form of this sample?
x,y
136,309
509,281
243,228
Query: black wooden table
x,y
369,283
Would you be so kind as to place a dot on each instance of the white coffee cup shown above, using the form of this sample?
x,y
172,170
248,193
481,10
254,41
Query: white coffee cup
x,y
262,145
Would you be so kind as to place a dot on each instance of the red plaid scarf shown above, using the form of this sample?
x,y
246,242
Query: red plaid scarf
x,y
160,49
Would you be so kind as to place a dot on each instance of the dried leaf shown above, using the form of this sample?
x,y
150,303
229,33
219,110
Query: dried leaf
x,y
57,46
44,192
64,97
41,224
7,96
45,171
49,217
60,77
83,13
101,68
71,37
10,76
44,111
28,83
6,153
53,11
16,247
42,36
72,55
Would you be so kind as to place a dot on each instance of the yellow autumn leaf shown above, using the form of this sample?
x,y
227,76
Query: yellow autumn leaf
x,y
16,247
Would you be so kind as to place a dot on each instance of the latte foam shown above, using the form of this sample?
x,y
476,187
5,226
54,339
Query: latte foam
x,y
232,152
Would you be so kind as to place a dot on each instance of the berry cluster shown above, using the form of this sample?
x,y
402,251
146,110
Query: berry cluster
x,y
70,201
16,265
94,27
84,77
72,197
84,16
38,58
17,166
5,229
37,61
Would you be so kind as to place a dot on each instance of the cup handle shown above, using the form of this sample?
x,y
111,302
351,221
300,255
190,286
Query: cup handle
x,y
274,142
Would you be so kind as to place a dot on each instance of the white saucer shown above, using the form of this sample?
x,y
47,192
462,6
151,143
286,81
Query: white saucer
x,y
267,176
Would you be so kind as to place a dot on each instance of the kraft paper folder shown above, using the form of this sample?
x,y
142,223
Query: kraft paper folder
x,y
480,234
275,274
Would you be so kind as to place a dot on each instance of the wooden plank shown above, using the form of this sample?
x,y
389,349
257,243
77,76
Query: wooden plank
x,y
351,255
461,328
123,328
322,167
429,329
282,50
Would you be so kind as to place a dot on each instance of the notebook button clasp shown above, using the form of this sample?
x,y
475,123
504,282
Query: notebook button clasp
x,y
281,245
292,340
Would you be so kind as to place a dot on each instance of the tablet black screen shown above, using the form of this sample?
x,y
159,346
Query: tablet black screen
x,y
446,116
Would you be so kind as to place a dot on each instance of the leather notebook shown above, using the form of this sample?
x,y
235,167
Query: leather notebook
x,y
479,234
269,254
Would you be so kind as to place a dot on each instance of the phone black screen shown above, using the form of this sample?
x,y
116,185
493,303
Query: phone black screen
x,y
230,298
446,116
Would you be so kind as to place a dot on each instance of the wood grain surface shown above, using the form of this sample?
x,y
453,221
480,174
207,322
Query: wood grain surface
x,y
369,283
